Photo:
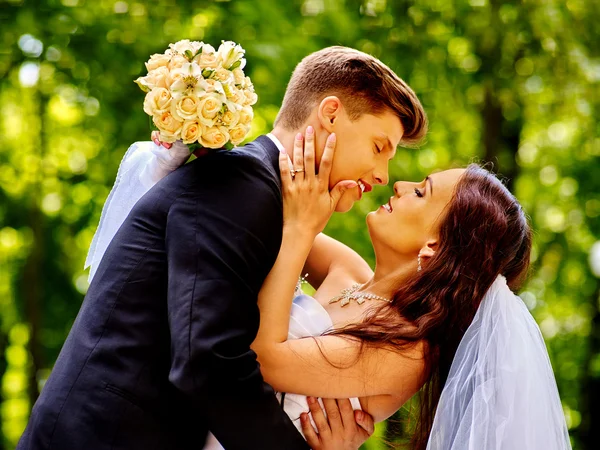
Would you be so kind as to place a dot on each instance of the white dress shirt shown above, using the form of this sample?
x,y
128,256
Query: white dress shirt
x,y
281,148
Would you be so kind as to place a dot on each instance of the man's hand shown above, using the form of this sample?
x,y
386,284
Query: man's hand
x,y
342,429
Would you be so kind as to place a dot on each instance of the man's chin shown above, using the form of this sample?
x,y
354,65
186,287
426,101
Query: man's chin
x,y
344,205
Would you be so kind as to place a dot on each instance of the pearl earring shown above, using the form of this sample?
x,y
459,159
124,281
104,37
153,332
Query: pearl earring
x,y
419,268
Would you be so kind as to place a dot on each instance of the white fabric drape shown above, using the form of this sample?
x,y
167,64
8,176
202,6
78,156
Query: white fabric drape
x,y
143,165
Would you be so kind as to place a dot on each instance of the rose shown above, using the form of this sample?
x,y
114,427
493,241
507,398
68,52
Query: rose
x,y
230,53
207,59
246,115
238,133
156,78
157,60
191,131
185,108
177,61
161,77
174,76
223,75
208,108
239,78
251,97
214,137
181,46
237,96
169,126
230,119
196,45
157,101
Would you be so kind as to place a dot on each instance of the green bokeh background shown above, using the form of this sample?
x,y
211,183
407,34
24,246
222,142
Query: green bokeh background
x,y
512,82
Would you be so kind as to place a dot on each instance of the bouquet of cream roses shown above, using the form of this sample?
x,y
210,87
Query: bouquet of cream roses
x,y
199,95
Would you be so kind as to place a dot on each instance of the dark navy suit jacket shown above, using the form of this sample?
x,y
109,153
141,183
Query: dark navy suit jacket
x,y
160,350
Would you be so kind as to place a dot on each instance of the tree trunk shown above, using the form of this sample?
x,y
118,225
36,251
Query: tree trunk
x,y
32,271
32,276
500,138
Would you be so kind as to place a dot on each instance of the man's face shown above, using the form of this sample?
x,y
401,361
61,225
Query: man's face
x,y
363,151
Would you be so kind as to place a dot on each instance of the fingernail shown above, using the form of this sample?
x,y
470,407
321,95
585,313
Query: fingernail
x,y
310,130
284,151
303,417
351,184
332,137
299,137
310,400
359,415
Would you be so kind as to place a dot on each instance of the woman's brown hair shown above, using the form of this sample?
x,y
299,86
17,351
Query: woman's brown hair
x,y
484,233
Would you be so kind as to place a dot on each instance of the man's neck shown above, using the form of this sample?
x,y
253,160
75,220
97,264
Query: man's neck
x,y
286,138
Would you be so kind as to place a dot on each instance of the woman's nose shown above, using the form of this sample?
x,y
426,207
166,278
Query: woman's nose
x,y
397,188
400,188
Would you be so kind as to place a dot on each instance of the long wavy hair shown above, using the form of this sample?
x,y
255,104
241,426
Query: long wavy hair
x,y
483,233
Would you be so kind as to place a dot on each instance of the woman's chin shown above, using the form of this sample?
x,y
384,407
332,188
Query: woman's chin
x,y
374,216
373,222
370,217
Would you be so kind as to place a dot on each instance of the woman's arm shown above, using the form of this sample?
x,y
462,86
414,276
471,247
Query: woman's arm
x,y
328,255
327,366
335,367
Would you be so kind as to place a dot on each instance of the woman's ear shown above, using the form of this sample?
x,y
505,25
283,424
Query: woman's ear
x,y
328,112
428,250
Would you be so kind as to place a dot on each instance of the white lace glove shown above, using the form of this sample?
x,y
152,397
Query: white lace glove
x,y
165,161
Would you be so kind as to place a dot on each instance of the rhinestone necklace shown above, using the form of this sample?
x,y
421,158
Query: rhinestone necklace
x,y
349,294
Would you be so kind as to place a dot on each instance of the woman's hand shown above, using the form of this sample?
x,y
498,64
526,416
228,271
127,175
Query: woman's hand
x,y
175,155
178,147
341,429
307,201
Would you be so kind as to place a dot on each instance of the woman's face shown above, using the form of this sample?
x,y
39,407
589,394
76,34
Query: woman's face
x,y
410,220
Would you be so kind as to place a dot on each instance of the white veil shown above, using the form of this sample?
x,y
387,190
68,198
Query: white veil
x,y
143,165
501,393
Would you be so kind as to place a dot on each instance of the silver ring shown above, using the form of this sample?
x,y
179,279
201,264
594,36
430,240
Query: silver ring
x,y
295,171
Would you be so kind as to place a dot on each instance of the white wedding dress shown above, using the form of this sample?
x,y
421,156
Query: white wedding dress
x,y
308,318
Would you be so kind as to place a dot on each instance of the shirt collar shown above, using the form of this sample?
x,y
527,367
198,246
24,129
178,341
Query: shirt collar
x,y
281,148
276,141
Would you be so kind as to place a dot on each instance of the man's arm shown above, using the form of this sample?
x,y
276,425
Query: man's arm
x,y
221,240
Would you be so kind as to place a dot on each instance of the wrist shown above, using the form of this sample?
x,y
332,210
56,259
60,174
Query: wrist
x,y
298,233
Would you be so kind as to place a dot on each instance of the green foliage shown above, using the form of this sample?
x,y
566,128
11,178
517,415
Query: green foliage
x,y
511,82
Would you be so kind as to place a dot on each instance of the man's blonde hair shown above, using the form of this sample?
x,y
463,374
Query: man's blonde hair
x,y
363,83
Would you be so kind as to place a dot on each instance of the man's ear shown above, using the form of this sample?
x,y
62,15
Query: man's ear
x,y
329,111
429,249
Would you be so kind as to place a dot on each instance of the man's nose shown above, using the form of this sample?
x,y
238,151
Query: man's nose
x,y
381,176
380,179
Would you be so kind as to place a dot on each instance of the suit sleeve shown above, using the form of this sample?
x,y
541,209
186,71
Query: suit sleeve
x,y
221,241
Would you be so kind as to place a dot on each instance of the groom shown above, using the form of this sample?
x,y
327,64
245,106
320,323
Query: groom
x,y
160,351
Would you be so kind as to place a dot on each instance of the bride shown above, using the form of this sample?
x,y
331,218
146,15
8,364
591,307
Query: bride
x,y
437,316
